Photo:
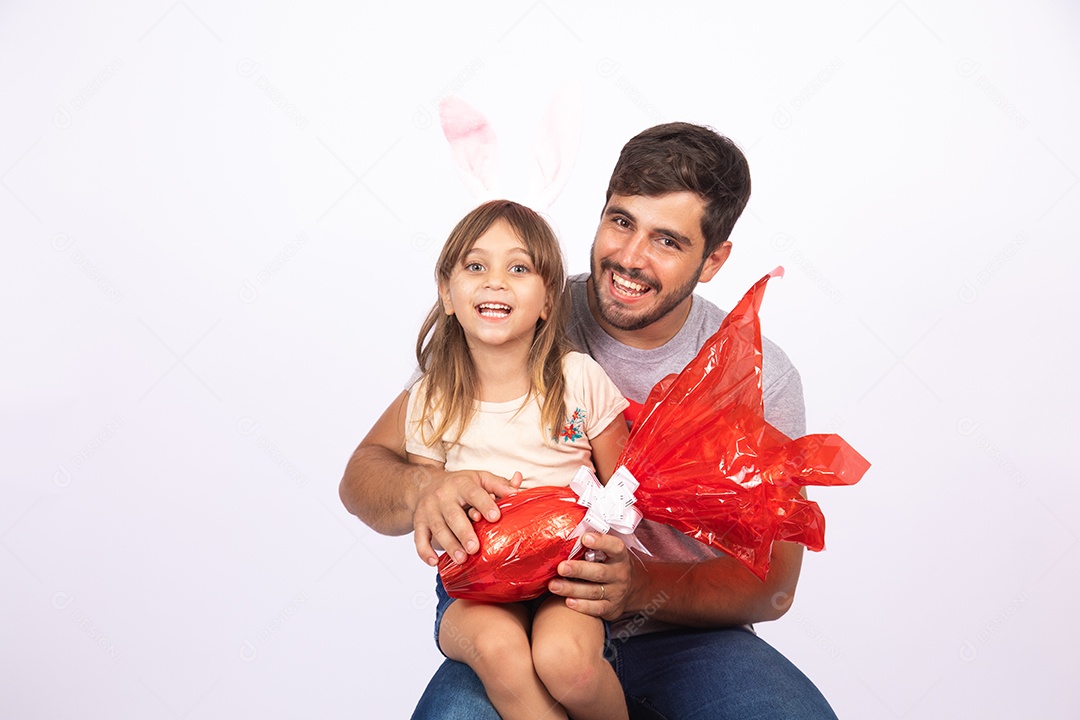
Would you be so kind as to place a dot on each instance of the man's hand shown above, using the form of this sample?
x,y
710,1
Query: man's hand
x,y
604,589
445,503
714,593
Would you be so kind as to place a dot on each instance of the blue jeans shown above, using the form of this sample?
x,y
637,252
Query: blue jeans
x,y
686,674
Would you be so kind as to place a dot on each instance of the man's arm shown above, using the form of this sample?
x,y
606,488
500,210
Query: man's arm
x,y
395,497
379,486
715,593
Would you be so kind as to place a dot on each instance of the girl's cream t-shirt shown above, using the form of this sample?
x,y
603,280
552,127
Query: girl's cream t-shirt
x,y
504,438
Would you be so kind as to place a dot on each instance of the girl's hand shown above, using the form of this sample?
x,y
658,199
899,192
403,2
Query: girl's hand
x,y
476,516
447,501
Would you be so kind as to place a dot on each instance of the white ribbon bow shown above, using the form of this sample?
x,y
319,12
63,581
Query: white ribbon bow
x,y
610,507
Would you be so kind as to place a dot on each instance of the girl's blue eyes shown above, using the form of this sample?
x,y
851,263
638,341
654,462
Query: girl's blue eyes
x,y
514,269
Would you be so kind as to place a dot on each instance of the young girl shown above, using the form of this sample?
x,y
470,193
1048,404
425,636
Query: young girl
x,y
501,392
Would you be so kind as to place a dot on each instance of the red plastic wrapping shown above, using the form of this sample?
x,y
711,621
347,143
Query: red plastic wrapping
x,y
707,462
519,553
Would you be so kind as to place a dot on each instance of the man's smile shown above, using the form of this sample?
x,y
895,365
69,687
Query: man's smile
x,y
628,288
628,285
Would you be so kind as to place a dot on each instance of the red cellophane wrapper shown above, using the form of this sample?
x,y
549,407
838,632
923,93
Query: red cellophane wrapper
x,y
708,465
519,553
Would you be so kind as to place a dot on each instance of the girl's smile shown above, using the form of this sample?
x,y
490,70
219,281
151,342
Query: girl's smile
x,y
495,292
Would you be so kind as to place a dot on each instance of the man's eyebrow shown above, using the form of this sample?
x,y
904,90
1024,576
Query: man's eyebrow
x,y
683,239
618,210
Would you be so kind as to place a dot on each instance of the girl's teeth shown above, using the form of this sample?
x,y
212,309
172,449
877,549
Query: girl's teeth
x,y
493,310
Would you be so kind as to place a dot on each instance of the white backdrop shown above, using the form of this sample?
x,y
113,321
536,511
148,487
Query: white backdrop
x,y
219,223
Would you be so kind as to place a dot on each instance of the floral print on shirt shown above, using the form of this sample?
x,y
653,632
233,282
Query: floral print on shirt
x,y
574,429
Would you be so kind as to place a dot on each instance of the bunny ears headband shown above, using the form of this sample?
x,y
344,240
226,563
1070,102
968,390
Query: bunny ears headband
x,y
476,154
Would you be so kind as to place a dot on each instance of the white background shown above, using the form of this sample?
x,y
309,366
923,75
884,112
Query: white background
x,y
219,223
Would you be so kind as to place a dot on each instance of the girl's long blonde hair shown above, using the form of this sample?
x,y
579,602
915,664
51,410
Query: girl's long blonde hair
x,y
451,387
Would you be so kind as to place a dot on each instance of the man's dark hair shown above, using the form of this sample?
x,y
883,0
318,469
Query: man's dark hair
x,y
681,156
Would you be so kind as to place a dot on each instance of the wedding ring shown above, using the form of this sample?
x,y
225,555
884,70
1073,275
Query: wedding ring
x,y
602,592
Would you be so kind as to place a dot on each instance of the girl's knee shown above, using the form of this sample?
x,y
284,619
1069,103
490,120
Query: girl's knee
x,y
565,665
495,652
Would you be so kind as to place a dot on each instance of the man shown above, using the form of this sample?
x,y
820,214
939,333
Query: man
x,y
681,640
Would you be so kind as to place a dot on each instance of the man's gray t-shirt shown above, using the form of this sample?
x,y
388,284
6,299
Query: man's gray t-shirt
x,y
635,372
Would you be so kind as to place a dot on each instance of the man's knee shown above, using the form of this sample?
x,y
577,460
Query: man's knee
x,y
454,693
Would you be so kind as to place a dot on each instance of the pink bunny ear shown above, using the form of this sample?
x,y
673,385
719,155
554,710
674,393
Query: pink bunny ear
x,y
556,147
473,143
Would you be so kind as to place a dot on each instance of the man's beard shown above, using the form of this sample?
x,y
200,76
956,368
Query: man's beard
x,y
625,320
